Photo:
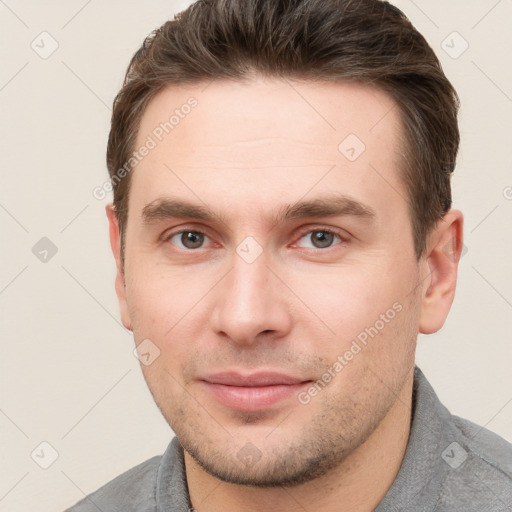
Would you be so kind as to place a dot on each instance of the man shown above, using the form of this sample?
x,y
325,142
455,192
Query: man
x,y
283,230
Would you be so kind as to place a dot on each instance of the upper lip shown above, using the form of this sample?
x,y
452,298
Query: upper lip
x,y
253,379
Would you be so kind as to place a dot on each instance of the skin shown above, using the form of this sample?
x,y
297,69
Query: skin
x,y
245,152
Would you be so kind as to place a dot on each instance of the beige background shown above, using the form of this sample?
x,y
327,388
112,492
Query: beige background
x,y
68,374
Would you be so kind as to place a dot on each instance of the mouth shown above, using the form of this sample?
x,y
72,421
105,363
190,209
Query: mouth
x,y
253,392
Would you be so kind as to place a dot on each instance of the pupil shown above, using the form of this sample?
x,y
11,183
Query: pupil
x,y
192,240
322,239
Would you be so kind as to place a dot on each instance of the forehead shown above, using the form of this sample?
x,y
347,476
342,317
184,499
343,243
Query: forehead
x,y
277,135
315,112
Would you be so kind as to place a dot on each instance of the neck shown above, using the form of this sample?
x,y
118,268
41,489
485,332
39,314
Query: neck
x,y
358,484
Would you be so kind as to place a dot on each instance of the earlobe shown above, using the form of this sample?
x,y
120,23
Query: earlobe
x,y
441,260
120,285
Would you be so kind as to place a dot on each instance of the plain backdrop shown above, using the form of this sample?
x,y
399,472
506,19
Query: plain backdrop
x,y
69,378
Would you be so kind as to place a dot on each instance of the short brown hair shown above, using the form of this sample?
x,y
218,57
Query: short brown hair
x,y
368,41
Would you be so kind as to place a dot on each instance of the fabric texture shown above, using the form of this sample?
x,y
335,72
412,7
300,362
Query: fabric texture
x,y
450,465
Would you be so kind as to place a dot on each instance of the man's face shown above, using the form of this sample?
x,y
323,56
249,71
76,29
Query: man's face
x,y
252,308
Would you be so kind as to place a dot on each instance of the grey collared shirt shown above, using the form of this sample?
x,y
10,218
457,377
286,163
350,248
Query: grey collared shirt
x,y
450,465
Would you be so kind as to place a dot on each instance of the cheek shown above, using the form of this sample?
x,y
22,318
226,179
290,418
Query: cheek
x,y
159,289
344,300
364,313
161,311
161,301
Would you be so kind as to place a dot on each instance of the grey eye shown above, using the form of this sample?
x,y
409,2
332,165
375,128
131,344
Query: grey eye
x,y
189,239
319,239
322,239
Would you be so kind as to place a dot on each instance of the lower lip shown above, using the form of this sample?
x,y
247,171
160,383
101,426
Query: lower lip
x,y
253,398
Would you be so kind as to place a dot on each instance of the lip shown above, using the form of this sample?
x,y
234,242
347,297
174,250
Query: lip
x,y
253,392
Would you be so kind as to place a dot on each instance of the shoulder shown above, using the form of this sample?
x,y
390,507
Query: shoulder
x,y
132,491
479,475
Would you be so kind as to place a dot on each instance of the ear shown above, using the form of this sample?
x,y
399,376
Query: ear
x,y
115,243
440,264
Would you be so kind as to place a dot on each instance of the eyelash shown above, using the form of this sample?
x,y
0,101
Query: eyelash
x,y
344,238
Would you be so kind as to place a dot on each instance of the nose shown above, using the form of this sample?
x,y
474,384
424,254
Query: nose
x,y
251,303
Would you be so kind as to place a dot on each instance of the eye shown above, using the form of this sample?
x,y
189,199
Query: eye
x,y
320,239
188,239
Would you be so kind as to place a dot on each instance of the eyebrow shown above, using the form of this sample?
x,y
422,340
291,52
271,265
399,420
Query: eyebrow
x,y
334,205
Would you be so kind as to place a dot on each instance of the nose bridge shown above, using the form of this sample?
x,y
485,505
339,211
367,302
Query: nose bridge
x,y
250,280
248,301
248,286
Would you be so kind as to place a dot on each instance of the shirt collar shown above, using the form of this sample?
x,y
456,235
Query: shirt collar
x,y
418,482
